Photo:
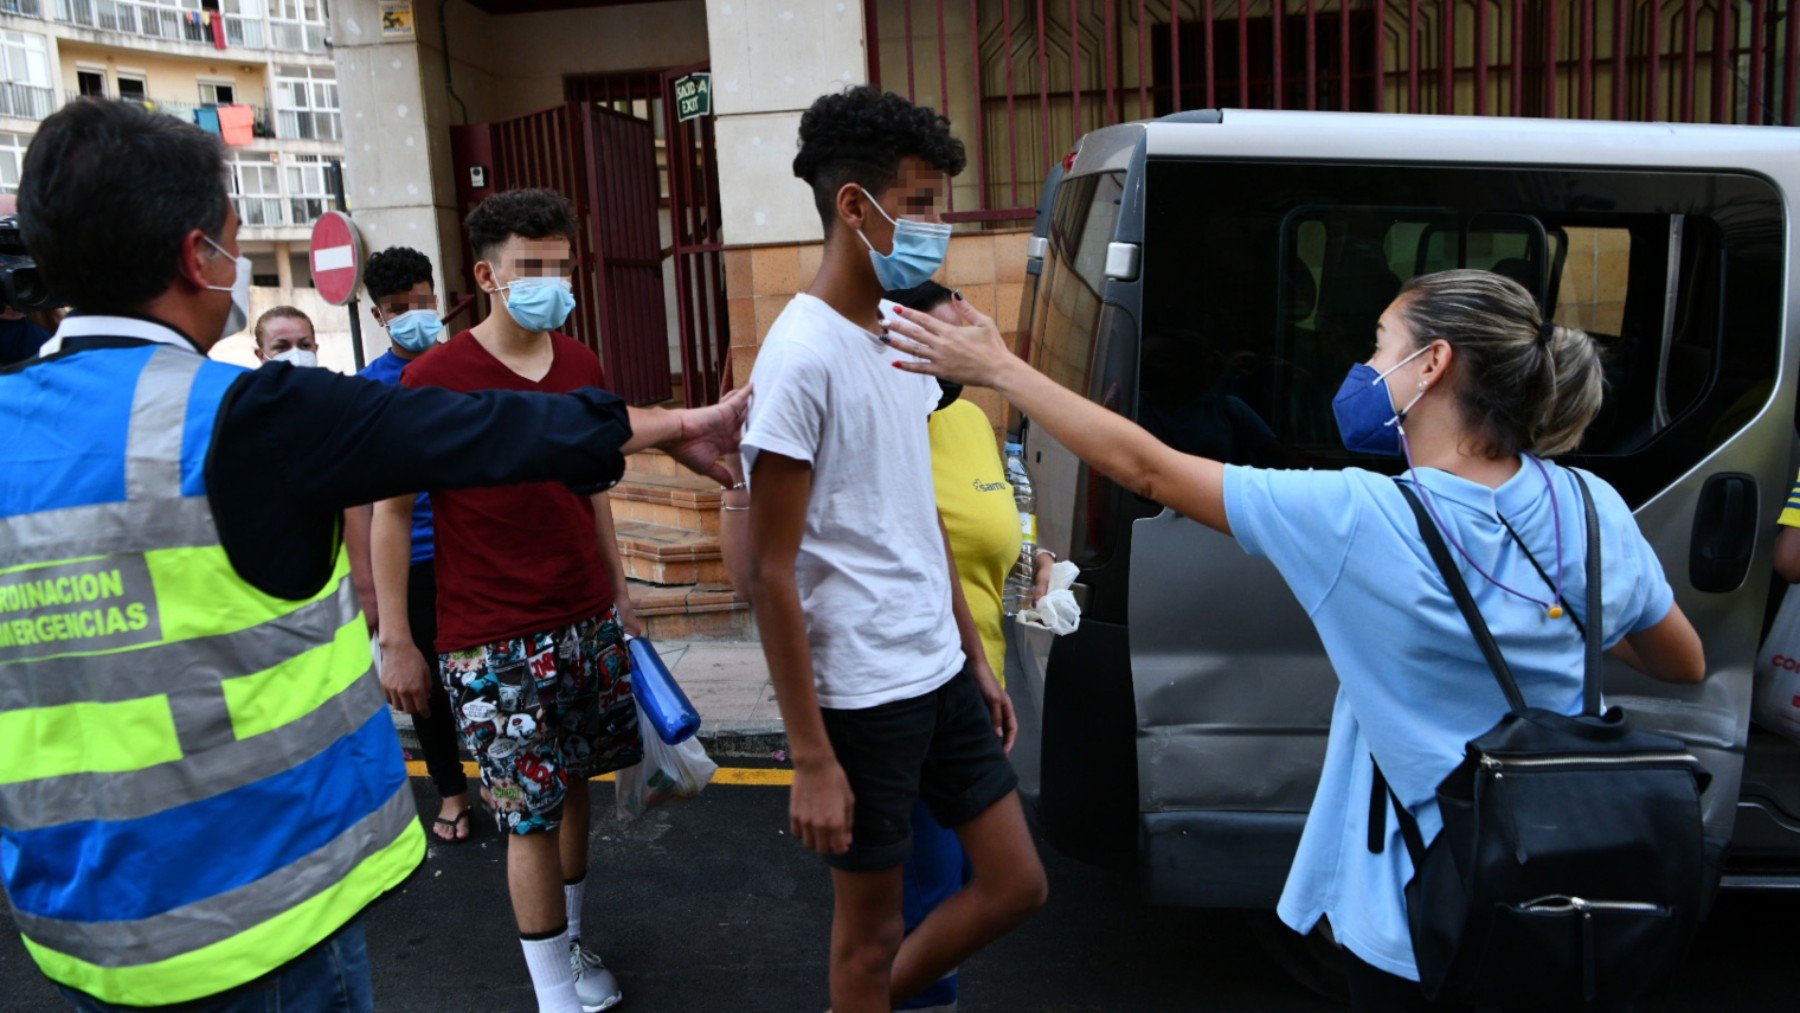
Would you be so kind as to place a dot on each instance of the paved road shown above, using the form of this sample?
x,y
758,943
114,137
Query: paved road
x,y
710,907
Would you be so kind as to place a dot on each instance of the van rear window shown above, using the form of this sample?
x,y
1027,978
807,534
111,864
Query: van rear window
x,y
1066,314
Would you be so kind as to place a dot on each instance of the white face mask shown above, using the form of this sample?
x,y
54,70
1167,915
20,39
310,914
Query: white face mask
x,y
239,318
298,357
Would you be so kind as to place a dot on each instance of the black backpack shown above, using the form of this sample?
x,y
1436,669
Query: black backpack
x,y
1571,867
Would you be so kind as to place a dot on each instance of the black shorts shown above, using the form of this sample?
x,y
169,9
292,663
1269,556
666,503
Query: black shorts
x,y
939,747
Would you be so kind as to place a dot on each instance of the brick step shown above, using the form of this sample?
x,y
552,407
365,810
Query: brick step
x,y
667,555
653,462
690,611
684,501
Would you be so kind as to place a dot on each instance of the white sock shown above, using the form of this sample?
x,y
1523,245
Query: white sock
x,y
551,976
572,903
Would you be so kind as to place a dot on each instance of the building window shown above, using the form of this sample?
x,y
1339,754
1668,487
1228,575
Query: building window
x,y
298,25
256,189
24,76
217,93
12,155
131,87
91,83
243,22
309,192
307,100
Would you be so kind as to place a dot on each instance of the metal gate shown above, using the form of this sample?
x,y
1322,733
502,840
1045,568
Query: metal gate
x,y
698,250
1032,78
605,163
622,185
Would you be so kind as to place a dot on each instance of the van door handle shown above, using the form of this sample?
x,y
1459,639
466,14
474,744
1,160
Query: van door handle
x,y
1724,536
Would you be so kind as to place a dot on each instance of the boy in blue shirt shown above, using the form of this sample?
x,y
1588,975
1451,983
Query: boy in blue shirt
x,y
404,303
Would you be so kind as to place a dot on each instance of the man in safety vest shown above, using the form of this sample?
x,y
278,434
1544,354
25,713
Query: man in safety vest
x,y
201,787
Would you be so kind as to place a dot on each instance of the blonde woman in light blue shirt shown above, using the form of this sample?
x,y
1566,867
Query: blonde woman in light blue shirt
x,y
1476,389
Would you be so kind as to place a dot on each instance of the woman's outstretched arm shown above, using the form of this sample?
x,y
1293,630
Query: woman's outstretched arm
x,y
974,353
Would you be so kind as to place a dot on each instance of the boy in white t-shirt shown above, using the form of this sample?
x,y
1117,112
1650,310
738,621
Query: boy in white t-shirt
x,y
883,684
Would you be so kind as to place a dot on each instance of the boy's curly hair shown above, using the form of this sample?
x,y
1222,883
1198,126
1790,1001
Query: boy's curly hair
x,y
859,135
534,213
396,269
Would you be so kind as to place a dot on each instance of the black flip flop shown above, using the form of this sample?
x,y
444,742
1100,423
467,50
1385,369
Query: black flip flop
x,y
461,817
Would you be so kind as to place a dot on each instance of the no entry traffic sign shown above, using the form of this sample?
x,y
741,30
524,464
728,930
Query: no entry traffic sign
x,y
337,257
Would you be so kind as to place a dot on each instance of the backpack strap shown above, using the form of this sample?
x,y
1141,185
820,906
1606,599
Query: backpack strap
x,y
1440,554
1574,616
1591,637
1381,794
1591,678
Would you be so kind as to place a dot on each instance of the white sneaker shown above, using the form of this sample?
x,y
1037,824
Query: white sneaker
x,y
595,986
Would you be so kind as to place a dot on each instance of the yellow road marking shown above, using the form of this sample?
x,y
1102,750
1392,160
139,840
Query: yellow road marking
x,y
759,777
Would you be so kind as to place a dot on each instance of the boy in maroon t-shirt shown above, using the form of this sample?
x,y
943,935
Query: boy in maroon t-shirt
x,y
531,601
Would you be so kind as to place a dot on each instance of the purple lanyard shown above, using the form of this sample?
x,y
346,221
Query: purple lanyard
x,y
1552,608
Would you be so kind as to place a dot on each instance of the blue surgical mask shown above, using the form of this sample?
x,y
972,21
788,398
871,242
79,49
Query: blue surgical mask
x,y
1367,420
919,250
540,304
415,330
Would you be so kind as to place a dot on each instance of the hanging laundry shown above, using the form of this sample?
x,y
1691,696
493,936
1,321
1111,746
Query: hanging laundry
x,y
237,124
218,29
207,118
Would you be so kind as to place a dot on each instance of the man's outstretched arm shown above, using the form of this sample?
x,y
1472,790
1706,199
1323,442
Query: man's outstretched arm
x,y
346,441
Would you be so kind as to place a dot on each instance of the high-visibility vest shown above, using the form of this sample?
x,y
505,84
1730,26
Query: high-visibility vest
x,y
198,781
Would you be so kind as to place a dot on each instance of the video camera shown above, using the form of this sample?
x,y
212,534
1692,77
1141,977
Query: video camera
x,y
21,286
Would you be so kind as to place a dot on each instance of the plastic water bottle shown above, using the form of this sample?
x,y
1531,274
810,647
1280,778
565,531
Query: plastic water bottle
x,y
1020,581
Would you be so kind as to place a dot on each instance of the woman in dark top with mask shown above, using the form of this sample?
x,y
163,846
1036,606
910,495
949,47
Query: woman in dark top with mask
x,y
1475,389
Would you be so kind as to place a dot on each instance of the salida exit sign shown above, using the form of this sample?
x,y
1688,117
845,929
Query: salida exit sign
x,y
693,96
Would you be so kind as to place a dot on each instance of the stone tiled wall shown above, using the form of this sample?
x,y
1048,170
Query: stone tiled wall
x,y
987,267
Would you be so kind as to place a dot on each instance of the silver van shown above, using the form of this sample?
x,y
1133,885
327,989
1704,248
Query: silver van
x,y
1213,274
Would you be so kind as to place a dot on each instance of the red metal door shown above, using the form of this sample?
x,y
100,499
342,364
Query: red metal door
x,y
698,251
605,163
627,247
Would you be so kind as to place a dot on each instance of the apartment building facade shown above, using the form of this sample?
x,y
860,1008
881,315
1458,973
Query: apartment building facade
x,y
266,61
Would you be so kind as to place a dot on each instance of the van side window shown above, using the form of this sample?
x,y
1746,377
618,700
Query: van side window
x,y
1265,299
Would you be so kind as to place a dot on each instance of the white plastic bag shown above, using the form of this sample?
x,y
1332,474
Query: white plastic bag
x,y
666,774
1056,611
1777,697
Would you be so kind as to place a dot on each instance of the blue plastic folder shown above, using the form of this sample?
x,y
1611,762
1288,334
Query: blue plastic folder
x,y
664,704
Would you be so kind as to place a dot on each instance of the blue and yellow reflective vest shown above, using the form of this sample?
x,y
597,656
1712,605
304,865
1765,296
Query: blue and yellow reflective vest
x,y
198,781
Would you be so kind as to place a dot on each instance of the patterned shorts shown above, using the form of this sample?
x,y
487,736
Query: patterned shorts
x,y
541,711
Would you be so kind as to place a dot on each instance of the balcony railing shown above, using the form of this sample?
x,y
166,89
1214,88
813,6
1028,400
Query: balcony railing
x,y
185,111
271,211
260,211
243,31
311,125
161,21
29,8
305,210
296,36
25,101
134,17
